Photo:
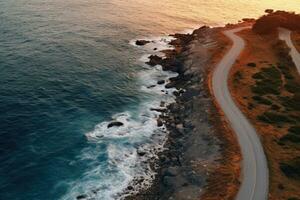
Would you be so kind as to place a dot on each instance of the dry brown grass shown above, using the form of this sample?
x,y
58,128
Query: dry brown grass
x,y
260,50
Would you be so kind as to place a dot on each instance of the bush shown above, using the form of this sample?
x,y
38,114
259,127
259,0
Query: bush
x,y
262,100
291,169
270,22
269,81
251,65
291,103
274,118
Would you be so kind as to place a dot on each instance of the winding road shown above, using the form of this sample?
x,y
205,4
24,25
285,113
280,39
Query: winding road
x,y
285,35
255,175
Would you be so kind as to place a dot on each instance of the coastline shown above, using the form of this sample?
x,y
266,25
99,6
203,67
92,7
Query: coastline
x,y
196,117
201,156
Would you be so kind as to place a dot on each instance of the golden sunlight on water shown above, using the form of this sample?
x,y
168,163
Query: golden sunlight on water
x,y
182,14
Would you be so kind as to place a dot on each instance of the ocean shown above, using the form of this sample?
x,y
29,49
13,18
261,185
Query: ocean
x,y
69,68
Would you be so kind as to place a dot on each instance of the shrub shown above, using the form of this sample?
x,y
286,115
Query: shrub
x,y
270,22
251,65
262,100
274,118
292,168
269,81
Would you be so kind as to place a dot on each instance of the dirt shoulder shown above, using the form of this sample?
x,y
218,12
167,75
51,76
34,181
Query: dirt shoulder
x,y
264,84
224,182
296,39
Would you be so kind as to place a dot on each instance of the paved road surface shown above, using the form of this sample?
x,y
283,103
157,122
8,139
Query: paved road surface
x,y
255,176
285,35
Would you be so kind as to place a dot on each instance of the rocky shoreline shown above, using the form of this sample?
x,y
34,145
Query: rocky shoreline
x,y
193,148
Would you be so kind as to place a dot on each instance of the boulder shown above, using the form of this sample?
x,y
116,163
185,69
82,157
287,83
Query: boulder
x,y
129,187
81,197
141,42
116,123
158,109
159,123
140,152
161,82
151,86
154,60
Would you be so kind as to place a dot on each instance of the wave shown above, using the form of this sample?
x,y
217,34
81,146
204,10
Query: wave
x,y
130,149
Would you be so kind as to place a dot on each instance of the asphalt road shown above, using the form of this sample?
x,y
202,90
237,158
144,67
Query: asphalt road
x,y
255,174
285,35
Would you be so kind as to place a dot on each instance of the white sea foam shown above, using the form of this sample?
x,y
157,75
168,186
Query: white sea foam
x,y
130,148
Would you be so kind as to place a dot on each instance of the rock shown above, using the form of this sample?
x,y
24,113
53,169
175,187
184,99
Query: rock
x,y
129,187
176,93
151,86
155,49
169,181
158,109
154,60
140,152
159,123
170,85
141,180
161,82
269,11
189,94
141,42
81,197
171,171
116,123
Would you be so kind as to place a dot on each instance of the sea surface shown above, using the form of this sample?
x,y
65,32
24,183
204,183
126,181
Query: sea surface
x,y
68,68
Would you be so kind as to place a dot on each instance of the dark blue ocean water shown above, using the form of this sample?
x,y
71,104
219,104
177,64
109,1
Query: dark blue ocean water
x,y
65,67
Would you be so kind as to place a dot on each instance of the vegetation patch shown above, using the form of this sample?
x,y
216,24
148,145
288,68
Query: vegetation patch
x,y
292,136
262,100
272,20
274,118
268,81
291,168
251,64
291,103
237,76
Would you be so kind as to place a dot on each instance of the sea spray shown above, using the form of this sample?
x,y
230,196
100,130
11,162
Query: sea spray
x,y
131,149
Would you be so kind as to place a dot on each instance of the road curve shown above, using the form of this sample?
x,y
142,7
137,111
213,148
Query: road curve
x,y
285,35
255,175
